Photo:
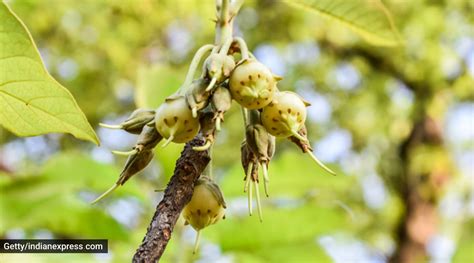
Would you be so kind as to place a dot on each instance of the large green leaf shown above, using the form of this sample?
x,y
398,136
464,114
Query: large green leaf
x,y
32,102
369,18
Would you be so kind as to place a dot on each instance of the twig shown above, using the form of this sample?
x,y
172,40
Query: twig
x,y
177,194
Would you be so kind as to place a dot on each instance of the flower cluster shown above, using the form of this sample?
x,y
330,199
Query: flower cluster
x,y
229,73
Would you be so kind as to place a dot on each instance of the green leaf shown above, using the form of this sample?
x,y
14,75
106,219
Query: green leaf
x,y
32,102
368,18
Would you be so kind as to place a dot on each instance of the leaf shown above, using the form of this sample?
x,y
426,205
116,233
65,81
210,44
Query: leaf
x,y
368,18
32,102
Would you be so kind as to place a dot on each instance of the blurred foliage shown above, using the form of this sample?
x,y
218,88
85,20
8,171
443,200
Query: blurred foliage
x,y
53,201
115,56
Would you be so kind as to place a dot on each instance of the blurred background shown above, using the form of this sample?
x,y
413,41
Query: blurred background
x,y
396,124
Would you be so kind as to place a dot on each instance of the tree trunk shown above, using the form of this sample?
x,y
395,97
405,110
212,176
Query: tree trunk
x,y
420,220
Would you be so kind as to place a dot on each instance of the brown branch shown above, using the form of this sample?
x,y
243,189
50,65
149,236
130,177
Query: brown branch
x,y
177,194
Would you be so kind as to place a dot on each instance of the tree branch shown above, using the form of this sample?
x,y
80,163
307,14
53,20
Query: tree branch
x,y
177,194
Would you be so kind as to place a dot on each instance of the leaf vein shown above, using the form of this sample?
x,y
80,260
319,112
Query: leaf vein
x,y
42,110
23,56
13,109
20,81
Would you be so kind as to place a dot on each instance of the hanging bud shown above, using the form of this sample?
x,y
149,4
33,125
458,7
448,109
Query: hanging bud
x,y
285,115
139,159
304,145
252,84
197,97
218,67
256,151
221,103
250,165
206,207
247,158
134,124
135,163
261,143
258,138
266,162
174,121
262,146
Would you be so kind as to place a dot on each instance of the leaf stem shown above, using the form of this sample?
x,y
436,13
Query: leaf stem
x,y
244,50
210,165
223,23
245,115
254,117
194,65
196,242
235,7
208,170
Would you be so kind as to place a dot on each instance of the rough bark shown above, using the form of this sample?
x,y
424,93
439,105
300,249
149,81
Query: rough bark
x,y
177,194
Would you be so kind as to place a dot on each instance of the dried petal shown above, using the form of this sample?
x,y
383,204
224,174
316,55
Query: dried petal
x,y
134,124
221,103
196,95
139,118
